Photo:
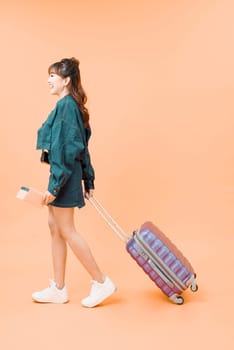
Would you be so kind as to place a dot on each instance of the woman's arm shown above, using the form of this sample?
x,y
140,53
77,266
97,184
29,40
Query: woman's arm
x,y
66,146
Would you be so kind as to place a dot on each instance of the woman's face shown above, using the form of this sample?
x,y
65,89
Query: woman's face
x,y
58,85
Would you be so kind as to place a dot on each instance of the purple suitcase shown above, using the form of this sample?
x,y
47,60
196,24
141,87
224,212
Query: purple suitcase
x,y
156,255
162,261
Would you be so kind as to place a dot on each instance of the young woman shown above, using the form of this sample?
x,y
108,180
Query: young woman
x,y
63,139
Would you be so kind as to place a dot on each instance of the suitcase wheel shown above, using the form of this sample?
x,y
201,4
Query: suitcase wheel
x,y
177,299
194,287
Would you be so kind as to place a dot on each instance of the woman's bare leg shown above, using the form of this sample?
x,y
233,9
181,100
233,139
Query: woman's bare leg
x,y
59,251
64,219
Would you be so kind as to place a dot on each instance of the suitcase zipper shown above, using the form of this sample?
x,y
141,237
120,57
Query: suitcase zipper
x,y
159,263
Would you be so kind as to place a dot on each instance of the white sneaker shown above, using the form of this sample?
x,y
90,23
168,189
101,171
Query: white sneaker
x,y
99,292
51,294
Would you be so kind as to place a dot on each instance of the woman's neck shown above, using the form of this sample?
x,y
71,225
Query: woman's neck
x,y
64,93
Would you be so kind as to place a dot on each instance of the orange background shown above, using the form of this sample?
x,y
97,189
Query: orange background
x,y
159,78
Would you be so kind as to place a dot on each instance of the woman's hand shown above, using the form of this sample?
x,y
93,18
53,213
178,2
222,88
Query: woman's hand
x,y
48,198
89,193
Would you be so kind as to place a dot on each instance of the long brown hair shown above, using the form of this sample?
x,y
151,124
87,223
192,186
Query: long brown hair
x,y
69,67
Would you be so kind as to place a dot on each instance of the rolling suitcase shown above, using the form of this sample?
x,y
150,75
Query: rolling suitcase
x,y
156,255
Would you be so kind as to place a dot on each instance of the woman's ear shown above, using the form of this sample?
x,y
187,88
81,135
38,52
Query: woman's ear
x,y
67,81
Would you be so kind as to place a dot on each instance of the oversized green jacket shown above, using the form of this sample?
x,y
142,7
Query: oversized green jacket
x,y
64,136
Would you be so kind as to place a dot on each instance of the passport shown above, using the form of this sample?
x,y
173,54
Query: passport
x,y
31,195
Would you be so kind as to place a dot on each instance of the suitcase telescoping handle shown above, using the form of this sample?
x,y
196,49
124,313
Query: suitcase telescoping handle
x,y
108,219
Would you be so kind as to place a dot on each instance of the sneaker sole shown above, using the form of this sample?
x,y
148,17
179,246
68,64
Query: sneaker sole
x,y
49,302
100,300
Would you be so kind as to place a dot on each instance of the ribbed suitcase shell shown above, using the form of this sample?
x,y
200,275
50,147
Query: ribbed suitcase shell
x,y
162,261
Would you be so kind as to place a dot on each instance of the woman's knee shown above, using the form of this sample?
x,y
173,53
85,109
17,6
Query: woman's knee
x,y
68,233
54,229
61,222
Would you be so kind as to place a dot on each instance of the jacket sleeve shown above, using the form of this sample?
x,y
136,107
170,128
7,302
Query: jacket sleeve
x,y
67,146
88,171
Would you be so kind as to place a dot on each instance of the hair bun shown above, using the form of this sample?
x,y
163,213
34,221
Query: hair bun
x,y
74,60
